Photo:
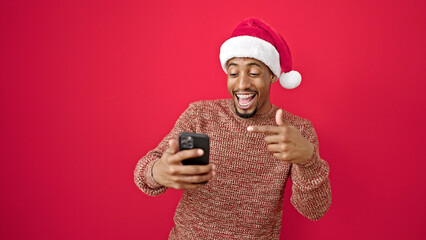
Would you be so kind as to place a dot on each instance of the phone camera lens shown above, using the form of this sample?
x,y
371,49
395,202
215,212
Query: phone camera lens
x,y
187,142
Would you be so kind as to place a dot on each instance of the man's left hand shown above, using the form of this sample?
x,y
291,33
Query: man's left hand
x,y
285,141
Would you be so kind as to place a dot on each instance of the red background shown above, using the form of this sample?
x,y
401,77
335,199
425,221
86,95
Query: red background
x,y
88,87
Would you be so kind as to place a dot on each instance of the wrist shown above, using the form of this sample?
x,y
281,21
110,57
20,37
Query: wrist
x,y
152,171
311,152
151,180
310,156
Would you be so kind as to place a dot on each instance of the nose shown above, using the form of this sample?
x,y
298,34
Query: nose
x,y
244,82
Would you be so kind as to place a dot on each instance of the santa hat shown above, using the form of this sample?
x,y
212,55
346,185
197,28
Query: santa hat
x,y
253,38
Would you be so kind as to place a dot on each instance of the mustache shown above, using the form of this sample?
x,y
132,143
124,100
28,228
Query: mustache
x,y
245,91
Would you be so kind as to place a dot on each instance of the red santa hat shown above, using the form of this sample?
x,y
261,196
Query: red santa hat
x,y
254,38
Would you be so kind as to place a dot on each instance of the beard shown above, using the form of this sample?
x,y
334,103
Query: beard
x,y
245,115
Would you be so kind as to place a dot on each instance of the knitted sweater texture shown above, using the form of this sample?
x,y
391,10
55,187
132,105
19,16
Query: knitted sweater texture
x,y
244,199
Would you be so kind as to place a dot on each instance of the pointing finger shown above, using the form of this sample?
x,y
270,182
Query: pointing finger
x,y
264,129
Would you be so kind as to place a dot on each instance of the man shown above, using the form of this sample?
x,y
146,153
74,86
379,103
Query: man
x,y
254,148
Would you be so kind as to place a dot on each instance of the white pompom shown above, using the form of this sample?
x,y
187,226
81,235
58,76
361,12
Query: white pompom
x,y
290,79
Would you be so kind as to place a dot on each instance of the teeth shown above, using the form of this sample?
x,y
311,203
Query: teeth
x,y
245,95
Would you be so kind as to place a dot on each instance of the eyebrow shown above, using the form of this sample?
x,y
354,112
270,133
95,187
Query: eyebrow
x,y
249,64
231,64
253,63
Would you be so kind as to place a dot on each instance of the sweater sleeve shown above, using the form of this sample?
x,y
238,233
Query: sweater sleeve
x,y
143,171
311,192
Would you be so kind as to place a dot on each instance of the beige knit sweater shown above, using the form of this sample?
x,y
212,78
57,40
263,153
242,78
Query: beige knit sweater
x,y
244,199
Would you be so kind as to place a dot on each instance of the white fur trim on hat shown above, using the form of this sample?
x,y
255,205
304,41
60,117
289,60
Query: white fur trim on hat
x,y
252,47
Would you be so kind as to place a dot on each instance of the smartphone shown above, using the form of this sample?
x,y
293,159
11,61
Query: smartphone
x,y
193,140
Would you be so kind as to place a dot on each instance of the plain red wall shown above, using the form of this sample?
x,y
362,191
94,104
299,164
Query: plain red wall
x,y
88,87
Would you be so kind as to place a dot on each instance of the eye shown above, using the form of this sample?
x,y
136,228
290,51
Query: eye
x,y
253,74
233,74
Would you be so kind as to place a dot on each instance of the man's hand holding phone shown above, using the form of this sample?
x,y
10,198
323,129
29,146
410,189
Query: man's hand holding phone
x,y
170,172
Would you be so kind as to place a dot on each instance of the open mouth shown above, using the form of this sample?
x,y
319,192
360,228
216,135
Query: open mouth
x,y
245,100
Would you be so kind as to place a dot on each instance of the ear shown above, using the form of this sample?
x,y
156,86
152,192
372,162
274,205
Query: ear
x,y
273,78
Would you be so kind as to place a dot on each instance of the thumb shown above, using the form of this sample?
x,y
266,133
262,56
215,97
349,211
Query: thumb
x,y
173,147
279,118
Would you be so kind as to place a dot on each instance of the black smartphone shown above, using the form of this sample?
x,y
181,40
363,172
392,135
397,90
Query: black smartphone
x,y
193,140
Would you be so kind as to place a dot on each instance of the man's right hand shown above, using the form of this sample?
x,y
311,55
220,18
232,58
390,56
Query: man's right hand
x,y
170,172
